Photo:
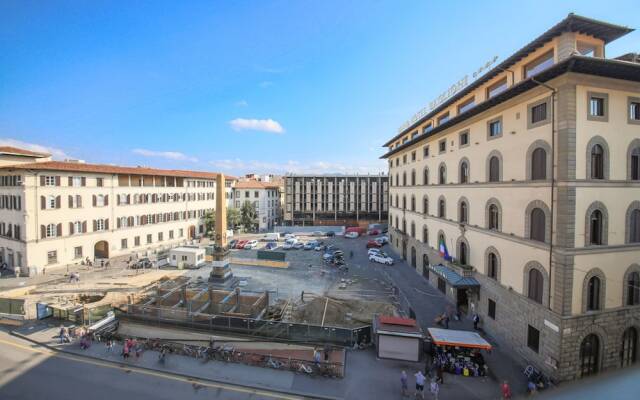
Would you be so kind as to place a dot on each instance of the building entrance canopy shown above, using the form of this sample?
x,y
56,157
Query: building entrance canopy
x,y
454,278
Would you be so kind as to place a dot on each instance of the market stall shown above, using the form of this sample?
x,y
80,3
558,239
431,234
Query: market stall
x,y
458,352
397,338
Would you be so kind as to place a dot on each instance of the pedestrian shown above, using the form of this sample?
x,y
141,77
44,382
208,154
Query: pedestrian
x,y
445,319
404,386
531,388
101,263
419,384
61,334
327,350
316,357
476,320
440,374
109,345
506,390
434,388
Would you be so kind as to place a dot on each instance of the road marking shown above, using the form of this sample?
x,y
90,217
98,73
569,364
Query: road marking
x,y
165,375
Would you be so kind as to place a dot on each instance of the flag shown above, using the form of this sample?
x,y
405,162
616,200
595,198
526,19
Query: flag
x,y
442,248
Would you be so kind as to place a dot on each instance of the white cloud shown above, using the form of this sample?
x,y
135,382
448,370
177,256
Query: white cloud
x,y
316,167
265,84
170,155
264,125
55,152
241,103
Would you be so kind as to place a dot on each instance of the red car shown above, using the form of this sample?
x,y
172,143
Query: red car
x,y
373,243
241,243
374,232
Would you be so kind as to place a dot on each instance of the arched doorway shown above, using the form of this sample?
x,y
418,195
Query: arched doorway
x,y
589,355
629,352
101,249
192,232
413,257
404,249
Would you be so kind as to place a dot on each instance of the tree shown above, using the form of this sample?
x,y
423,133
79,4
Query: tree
x,y
210,223
233,218
248,216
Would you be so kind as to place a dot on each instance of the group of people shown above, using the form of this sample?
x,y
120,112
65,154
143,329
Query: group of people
x,y
434,387
131,346
64,335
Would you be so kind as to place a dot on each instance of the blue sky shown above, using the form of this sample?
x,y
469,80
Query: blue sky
x,y
249,86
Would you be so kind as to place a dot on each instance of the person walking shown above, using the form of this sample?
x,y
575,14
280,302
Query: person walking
x,y
476,320
506,390
445,319
419,384
434,388
404,385
440,374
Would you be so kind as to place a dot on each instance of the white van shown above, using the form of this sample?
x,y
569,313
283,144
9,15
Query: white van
x,y
289,243
271,237
289,236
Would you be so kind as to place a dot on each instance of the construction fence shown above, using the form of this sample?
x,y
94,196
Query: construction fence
x,y
295,332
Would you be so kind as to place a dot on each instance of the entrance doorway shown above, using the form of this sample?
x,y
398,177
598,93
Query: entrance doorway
x,y
462,300
192,232
413,257
425,266
101,249
404,249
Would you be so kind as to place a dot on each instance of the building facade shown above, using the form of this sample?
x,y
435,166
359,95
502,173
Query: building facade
x,y
56,213
335,199
519,197
264,196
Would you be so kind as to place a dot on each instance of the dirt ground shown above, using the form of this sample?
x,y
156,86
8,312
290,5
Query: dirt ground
x,y
340,311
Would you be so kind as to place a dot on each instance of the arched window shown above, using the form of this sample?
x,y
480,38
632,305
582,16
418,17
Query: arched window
x,y
593,294
589,355
539,164
413,177
413,257
463,213
494,169
404,179
537,228
595,227
494,217
425,176
536,282
634,164
441,240
397,202
464,172
442,174
634,226
492,266
633,289
629,352
397,224
425,235
52,230
597,162
463,256
390,180
425,205
442,208
413,230
413,203
397,180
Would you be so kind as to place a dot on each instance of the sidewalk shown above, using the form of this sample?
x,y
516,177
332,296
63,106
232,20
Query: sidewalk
x,y
366,376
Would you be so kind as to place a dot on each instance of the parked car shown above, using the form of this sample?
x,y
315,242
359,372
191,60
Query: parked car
x,y
289,243
382,239
271,246
373,243
241,243
271,236
377,251
374,232
298,245
351,235
330,234
252,244
331,247
289,236
142,263
379,258
232,243
318,233
320,247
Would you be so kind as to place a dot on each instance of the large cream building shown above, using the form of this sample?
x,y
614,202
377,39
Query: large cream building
x,y
530,176
56,213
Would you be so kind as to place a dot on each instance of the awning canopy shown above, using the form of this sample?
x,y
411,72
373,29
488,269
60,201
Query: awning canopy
x,y
449,337
454,278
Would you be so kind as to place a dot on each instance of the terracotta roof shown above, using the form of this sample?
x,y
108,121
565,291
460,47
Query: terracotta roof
x,y
66,166
21,152
391,320
256,185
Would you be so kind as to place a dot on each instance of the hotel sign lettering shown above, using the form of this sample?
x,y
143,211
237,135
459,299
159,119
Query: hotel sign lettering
x,y
453,89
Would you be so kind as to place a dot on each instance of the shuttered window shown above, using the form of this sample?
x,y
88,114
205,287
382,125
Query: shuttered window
x,y
537,229
535,286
